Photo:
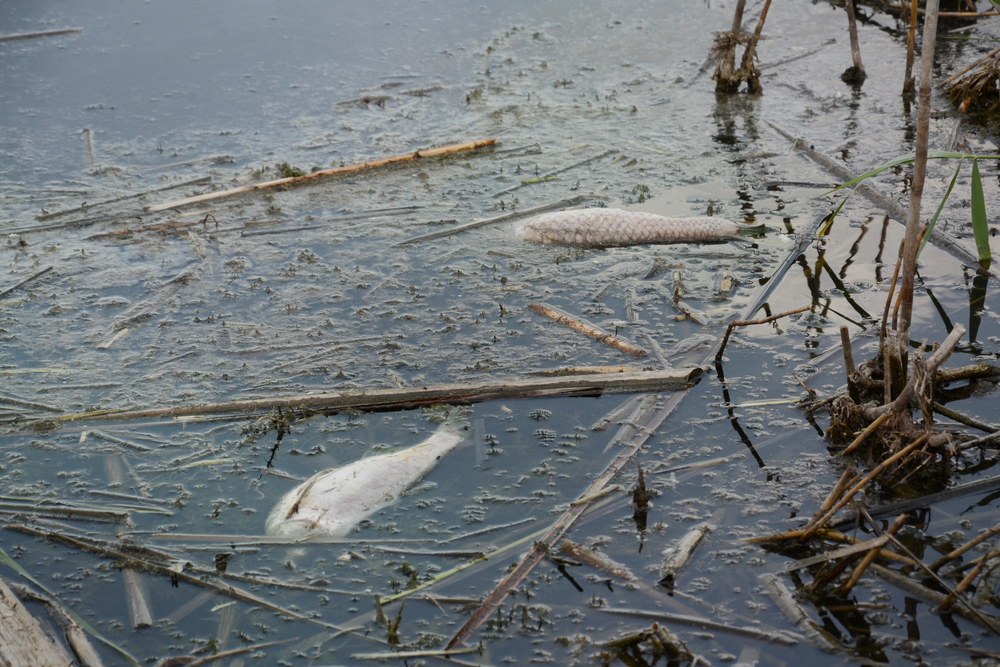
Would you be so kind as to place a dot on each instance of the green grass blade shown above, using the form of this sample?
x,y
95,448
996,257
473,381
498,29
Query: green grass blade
x,y
930,225
908,158
980,225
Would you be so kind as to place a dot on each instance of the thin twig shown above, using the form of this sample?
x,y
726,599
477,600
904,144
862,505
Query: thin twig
x,y
743,323
44,33
489,221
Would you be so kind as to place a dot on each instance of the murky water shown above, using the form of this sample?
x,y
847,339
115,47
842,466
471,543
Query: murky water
x,y
301,290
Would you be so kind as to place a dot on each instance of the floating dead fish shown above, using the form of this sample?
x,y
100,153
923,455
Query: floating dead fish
x,y
615,227
333,501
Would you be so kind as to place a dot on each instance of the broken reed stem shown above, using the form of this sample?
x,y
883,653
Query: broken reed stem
x,y
294,180
847,477
979,539
870,557
489,221
939,357
833,536
966,70
888,298
911,42
752,74
408,398
849,367
962,419
34,35
25,282
744,323
852,25
808,532
865,433
919,169
587,330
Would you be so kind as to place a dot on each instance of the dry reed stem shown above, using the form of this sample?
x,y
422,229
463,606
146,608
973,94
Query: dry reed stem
x,y
294,180
979,539
870,557
864,434
807,533
587,330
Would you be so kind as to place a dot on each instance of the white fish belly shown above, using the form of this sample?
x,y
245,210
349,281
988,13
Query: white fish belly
x,y
615,227
333,501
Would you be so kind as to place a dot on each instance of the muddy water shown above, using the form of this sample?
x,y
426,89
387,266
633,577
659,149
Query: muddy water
x,y
301,290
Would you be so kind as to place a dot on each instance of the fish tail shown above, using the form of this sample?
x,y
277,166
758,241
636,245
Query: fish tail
x,y
453,418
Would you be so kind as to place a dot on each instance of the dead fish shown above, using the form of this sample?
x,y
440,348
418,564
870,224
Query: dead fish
x,y
615,227
333,501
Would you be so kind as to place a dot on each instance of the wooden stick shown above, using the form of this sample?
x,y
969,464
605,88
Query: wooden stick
x,y
33,35
982,537
516,576
489,221
847,477
25,282
293,180
808,532
852,26
965,70
89,207
743,323
412,397
870,557
939,357
587,329
963,419
845,343
874,195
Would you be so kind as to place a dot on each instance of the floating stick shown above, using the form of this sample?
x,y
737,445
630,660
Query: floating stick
x,y
489,221
294,180
587,329
25,282
549,176
33,35
87,207
412,397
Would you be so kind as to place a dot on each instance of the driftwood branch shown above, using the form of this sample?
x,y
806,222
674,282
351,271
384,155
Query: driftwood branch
x,y
587,330
294,180
408,398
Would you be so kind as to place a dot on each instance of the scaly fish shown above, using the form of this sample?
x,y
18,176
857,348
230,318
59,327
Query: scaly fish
x,y
615,227
333,501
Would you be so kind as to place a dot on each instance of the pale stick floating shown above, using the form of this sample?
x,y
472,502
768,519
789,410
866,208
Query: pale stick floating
x,y
586,329
294,180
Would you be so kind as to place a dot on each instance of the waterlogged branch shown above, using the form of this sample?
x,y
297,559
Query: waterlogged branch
x,y
409,398
294,180
587,329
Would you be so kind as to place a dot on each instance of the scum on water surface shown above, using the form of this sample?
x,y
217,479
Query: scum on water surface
x,y
303,290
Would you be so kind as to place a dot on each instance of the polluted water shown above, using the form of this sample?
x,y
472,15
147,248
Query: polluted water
x,y
237,254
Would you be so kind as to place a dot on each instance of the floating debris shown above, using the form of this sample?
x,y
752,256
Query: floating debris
x,y
333,501
615,227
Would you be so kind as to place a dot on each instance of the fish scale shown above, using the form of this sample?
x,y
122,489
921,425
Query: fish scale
x,y
616,227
